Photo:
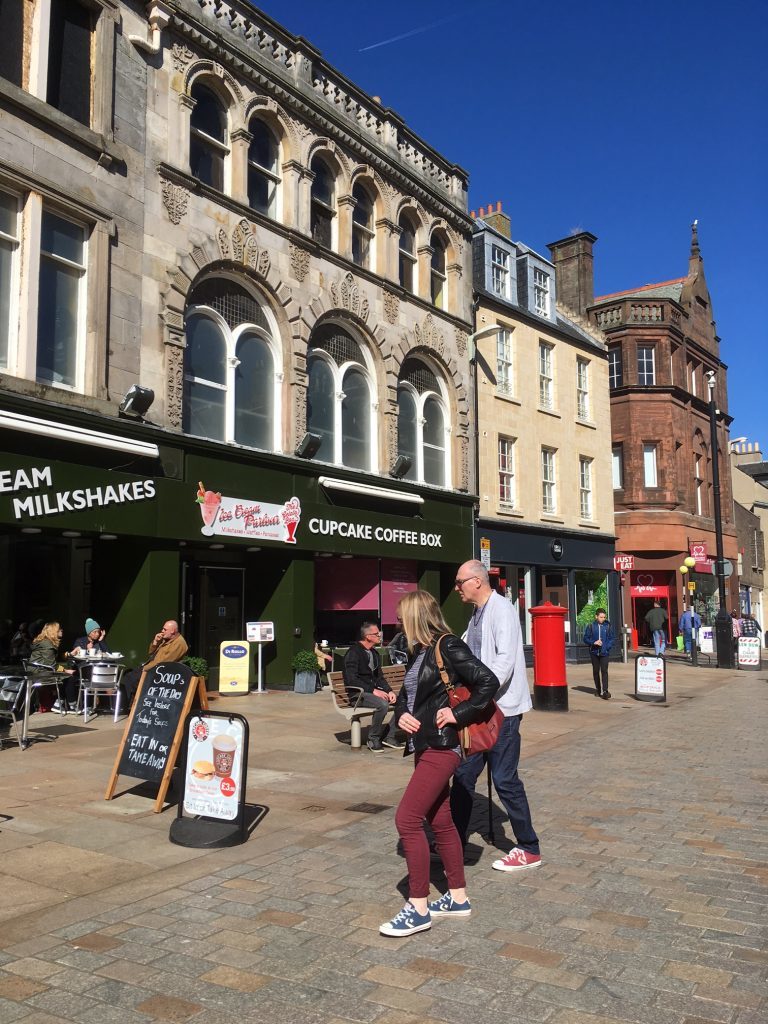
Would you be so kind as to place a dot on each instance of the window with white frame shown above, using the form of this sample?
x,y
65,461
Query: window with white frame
x,y
582,388
507,492
646,364
208,147
617,467
61,303
694,380
437,272
698,473
585,487
231,376
10,233
546,379
615,368
423,423
548,481
500,271
323,202
363,235
505,379
650,474
263,168
407,264
340,399
540,292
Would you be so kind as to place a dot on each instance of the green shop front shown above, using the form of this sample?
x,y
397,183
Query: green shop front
x,y
132,525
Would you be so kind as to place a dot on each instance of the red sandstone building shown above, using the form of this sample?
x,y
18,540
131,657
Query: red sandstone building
x,y
662,341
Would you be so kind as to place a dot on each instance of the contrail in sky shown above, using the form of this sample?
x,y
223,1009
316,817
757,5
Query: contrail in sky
x,y
407,35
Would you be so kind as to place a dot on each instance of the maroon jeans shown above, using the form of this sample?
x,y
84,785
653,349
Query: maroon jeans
x,y
426,796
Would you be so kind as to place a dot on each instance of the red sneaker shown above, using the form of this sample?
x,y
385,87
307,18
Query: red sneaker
x,y
517,860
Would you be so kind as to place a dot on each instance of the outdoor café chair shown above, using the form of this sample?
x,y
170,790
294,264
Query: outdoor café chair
x,y
39,675
12,690
100,677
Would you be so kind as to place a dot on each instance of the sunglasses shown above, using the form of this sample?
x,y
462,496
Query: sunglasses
x,y
460,583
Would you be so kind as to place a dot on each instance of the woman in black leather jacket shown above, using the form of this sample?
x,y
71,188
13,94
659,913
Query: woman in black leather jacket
x,y
423,711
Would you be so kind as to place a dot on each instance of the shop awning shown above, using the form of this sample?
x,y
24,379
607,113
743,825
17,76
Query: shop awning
x,y
79,435
383,493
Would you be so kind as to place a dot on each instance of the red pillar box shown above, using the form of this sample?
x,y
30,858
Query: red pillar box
x,y
550,688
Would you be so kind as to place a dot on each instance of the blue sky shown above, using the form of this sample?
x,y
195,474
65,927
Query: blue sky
x,y
627,120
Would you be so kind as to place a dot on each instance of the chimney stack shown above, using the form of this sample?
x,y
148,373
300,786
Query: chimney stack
x,y
572,257
498,220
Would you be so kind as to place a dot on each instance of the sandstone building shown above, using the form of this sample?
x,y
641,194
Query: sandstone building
x,y
196,203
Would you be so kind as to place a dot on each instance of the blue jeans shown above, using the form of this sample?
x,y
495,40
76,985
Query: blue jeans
x,y
503,761
659,640
687,633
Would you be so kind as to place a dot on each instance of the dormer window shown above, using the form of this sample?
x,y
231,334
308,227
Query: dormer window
x,y
500,271
540,292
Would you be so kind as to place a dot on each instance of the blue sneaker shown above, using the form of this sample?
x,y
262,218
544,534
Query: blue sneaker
x,y
446,907
407,922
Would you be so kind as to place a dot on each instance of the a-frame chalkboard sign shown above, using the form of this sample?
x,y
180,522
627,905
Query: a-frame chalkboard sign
x,y
155,727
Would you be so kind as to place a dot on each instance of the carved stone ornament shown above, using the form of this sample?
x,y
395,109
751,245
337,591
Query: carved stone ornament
x,y
223,240
174,385
181,55
299,262
391,307
175,200
461,342
464,446
300,410
346,294
429,335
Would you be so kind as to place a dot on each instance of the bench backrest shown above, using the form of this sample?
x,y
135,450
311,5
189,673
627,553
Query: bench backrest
x,y
395,676
339,690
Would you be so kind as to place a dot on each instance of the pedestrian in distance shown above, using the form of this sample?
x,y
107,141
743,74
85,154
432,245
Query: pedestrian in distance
x,y
750,626
657,620
689,621
424,713
493,636
600,639
362,670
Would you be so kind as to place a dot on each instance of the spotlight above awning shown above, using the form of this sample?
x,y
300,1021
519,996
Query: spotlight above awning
x,y
79,435
382,493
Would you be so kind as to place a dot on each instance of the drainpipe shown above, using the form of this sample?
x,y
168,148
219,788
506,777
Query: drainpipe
x,y
159,16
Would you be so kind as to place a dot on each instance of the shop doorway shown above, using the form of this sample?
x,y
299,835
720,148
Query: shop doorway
x,y
640,608
220,613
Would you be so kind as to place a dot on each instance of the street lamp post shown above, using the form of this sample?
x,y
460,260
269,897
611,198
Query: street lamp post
x,y
723,626
685,568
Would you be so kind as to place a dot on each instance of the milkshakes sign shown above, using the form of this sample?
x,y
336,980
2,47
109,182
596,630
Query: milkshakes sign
x,y
247,518
53,502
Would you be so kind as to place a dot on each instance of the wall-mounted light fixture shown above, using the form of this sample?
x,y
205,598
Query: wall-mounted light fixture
x,y
401,467
309,446
137,402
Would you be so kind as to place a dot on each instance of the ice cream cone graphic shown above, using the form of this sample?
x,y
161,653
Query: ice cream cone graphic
x,y
210,503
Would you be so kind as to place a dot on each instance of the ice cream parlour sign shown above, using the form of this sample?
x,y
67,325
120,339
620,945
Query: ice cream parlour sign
x,y
247,518
29,503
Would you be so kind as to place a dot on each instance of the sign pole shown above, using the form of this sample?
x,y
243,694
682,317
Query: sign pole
x,y
259,681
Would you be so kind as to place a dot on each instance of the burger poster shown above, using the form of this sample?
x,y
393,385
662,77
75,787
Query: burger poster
x,y
214,767
250,519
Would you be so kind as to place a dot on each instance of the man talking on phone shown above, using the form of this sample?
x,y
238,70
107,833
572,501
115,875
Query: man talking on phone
x,y
167,645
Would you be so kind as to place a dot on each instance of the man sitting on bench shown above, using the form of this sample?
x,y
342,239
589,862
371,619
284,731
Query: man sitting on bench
x,y
362,668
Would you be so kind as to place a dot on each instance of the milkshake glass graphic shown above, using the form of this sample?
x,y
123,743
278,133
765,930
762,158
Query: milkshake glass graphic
x,y
210,503
291,515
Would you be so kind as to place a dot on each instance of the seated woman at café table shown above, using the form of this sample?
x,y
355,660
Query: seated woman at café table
x,y
92,641
42,660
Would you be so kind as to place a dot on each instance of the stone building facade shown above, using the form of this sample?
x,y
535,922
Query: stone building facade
x,y
545,497
749,473
662,344
287,267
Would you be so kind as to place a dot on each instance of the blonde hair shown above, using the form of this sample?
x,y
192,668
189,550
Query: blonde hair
x,y
422,619
50,631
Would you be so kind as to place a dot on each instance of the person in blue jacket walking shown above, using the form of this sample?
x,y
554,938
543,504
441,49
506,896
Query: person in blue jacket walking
x,y
599,637
689,621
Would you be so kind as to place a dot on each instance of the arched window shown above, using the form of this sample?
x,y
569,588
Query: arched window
x,y
263,169
407,250
231,377
437,272
363,234
323,208
340,399
422,424
208,137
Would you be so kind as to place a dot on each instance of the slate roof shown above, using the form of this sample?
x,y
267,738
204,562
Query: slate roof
x,y
562,323
663,290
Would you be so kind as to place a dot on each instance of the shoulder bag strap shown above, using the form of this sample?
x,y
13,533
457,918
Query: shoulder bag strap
x,y
441,665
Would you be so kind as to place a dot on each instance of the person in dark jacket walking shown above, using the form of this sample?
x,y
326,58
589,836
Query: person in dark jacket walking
x,y
423,711
362,668
600,639
656,619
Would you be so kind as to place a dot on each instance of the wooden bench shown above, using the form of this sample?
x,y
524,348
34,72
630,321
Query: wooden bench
x,y
347,706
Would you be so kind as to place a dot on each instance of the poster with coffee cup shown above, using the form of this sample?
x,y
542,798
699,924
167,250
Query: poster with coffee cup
x,y
213,780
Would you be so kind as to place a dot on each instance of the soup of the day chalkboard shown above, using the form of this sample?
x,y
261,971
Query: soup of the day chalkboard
x,y
153,733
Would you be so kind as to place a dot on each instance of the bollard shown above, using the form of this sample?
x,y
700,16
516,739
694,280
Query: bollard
x,y
550,688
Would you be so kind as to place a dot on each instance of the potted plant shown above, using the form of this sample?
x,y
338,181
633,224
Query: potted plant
x,y
304,667
198,665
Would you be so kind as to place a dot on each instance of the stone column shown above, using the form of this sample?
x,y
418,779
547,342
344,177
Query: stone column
x,y
345,207
179,133
241,140
424,253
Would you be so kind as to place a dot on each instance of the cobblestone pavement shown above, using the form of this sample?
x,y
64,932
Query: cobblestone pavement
x,y
649,907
